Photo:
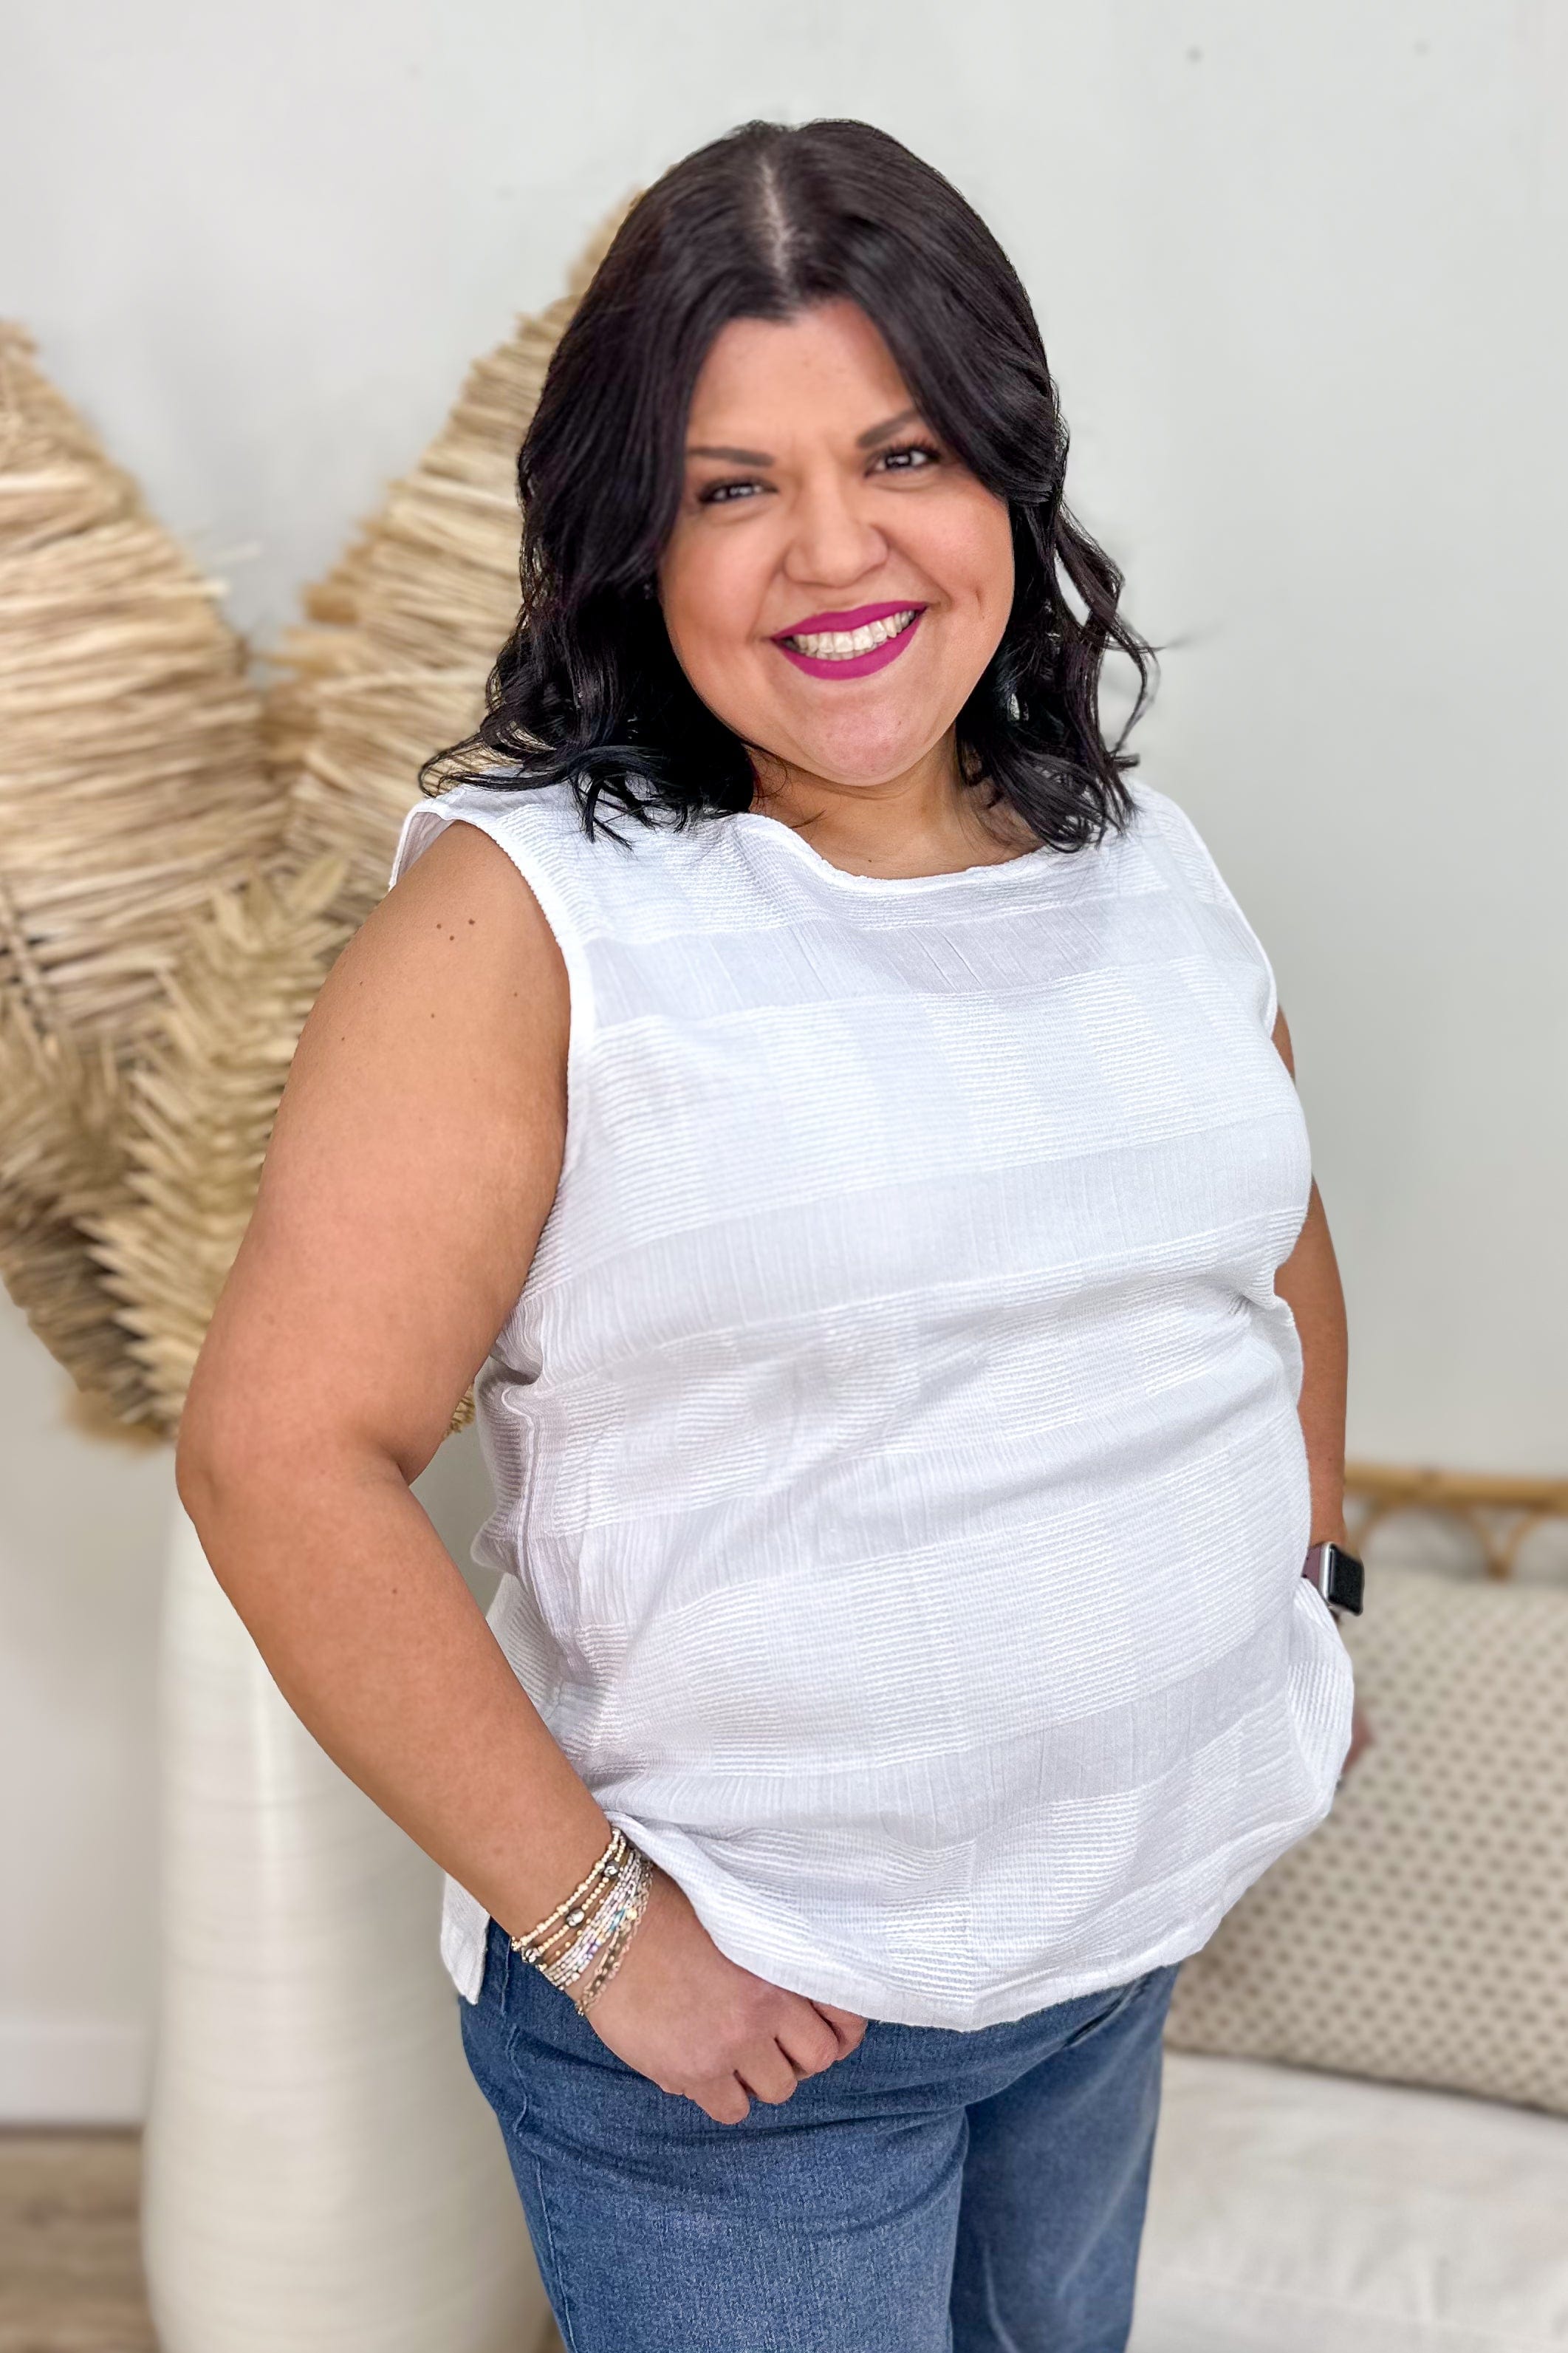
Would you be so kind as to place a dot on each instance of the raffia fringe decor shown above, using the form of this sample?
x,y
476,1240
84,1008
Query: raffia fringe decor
x,y
132,789
408,624
179,868
61,1158
202,1099
133,785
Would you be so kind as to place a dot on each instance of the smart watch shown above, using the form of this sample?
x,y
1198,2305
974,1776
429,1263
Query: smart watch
x,y
1338,1575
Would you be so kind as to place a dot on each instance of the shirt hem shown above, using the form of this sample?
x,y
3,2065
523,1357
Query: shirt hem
x,y
874,1999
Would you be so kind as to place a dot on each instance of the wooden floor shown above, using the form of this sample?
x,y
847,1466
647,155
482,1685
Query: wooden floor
x,y
70,2261
70,2270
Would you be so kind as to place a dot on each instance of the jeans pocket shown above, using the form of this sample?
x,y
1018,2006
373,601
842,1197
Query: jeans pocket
x,y
1121,1997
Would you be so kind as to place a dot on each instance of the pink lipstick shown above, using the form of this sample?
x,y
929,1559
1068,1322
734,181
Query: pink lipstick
x,y
884,631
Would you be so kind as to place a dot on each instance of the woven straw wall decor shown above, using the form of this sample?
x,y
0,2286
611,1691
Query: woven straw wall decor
x,y
61,1160
132,789
143,1053
132,781
403,632
200,1102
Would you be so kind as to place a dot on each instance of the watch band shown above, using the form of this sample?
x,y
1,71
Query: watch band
x,y
1339,1575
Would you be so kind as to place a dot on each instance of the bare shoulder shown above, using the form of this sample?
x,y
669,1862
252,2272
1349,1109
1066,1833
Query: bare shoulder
x,y
459,952
462,892
451,1003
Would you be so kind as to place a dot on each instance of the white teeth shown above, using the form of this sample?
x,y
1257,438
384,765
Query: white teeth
x,y
842,645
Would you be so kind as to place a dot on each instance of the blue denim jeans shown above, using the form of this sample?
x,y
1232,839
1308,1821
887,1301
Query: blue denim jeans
x,y
933,2192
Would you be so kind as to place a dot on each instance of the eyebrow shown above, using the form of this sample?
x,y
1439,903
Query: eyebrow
x,y
874,433
866,441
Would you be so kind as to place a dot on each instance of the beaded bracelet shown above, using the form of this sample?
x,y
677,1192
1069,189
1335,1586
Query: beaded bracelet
x,y
586,1936
620,1937
569,1914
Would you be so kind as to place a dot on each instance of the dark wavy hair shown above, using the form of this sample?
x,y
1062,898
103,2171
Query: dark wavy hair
x,y
763,223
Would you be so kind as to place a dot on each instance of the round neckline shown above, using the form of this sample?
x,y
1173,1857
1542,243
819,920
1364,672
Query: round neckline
x,y
776,826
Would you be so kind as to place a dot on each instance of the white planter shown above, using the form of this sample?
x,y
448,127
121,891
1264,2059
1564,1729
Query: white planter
x,y
321,2173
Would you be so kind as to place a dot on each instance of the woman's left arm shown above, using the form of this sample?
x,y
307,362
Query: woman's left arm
x,y
1308,1284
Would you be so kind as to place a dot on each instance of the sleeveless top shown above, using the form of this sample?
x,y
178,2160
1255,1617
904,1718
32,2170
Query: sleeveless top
x,y
900,1494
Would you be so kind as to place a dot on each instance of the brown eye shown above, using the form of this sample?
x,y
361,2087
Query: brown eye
x,y
911,457
725,493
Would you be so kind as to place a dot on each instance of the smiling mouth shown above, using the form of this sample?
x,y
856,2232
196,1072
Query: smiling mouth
x,y
849,645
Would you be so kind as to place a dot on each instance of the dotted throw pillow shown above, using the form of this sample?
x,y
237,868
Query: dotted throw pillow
x,y
1421,1932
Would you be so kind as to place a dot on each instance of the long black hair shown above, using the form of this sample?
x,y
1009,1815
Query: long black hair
x,y
761,225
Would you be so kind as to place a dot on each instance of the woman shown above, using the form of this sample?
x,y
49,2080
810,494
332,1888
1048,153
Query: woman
x,y
848,1129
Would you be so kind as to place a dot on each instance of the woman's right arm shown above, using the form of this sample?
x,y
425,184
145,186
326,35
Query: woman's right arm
x,y
411,1170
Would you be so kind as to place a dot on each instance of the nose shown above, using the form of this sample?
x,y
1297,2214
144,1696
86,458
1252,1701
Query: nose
x,y
834,540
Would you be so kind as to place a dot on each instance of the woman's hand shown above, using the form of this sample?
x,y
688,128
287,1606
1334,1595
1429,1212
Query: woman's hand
x,y
695,2024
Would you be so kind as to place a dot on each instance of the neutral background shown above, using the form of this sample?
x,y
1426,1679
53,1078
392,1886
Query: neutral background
x,y
1299,272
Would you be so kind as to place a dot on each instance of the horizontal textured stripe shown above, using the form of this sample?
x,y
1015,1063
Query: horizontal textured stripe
x,y
899,1485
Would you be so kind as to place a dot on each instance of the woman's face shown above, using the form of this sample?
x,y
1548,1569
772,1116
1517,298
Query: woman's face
x,y
837,580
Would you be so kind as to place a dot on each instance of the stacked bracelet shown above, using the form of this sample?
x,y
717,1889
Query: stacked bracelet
x,y
622,1912
583,1941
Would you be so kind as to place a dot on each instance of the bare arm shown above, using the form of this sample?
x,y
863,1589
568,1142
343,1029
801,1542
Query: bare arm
x,y
413,1162
1309,1283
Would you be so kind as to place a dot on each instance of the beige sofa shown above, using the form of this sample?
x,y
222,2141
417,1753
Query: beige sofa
x,y
1420,1936
1296,2212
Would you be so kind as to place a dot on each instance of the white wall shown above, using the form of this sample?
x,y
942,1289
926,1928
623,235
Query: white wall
x,y
1299,272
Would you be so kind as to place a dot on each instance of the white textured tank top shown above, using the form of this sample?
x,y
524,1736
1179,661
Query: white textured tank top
x,y
899,1494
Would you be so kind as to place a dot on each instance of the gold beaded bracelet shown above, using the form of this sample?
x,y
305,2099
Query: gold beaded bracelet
x,y
620,1937
569,1914
587,1934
